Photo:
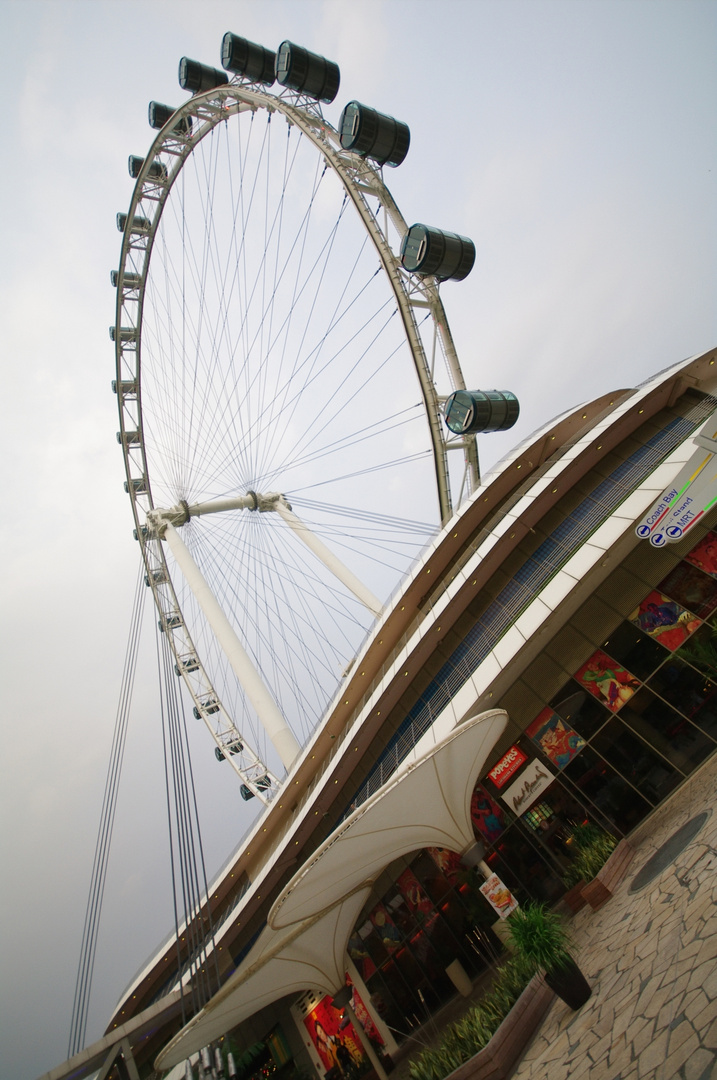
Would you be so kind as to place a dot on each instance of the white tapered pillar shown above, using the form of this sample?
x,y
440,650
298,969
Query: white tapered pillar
x,y
327,557
264,705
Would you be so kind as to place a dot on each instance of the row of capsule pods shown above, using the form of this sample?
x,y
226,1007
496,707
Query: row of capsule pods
x,y
426,251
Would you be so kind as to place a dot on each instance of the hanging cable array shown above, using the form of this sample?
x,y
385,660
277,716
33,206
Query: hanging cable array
x,y
88,948
192,913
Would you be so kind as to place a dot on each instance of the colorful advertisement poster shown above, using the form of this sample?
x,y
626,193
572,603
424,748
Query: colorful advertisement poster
x,y
691,587
499,896
487,816
448,862
416,897
528,787
508,764
664,620
363,1016
359,953
336,1042
704,555
607,681
385,926
555,737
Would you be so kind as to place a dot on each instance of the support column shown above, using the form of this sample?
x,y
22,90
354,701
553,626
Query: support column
x,y
366,1043
261,699
328,558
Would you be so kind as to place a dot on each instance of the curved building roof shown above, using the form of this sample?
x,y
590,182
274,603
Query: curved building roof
x,y
543,529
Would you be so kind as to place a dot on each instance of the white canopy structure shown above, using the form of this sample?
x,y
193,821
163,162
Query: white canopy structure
x,y
427,804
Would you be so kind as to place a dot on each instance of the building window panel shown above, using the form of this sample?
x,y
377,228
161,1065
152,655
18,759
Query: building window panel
x,y
620,803
647,771
685,745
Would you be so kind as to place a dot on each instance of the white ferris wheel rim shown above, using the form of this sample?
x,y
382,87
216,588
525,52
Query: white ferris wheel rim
x,y
361,182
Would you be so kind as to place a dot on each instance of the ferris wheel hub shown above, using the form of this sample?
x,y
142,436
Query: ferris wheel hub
x,y
159,519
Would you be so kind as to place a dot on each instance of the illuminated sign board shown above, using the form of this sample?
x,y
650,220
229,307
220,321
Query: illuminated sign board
x,y
507,765
526,789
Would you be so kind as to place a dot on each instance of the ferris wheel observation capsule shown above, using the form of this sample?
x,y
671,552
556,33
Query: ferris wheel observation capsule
x,y
429,251
307,72
373,134
243,57
469,411
158,115
197,77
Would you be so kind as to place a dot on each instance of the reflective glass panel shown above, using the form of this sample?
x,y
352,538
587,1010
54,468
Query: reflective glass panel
x,y
636,651
647,771
667,730
609,791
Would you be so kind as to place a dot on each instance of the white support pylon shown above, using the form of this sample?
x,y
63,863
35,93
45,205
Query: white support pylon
x,y
261,699
179,515
327,557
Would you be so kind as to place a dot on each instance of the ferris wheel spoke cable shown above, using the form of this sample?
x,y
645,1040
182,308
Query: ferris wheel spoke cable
x,y
336,411
290,571
249,299
337,612
406,524
314,373
262,424
258,431
288,382
280,215
235,601
274,671
215,428
344,443
317,666
348,542
305,656
88,947
220,344
301,573
299,654
420,455
325,256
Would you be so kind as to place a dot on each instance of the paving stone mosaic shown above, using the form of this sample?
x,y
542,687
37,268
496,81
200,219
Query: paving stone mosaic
x,y
651,957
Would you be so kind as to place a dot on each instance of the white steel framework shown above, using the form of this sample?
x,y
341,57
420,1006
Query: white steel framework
x,y
416,299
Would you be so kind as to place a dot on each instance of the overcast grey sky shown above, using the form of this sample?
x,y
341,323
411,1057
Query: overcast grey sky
x,y
573,140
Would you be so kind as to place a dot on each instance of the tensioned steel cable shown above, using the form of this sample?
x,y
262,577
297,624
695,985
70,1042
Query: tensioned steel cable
x,y
88,948
189,877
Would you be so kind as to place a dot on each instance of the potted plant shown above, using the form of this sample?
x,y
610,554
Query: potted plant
x,y
541,939
594,848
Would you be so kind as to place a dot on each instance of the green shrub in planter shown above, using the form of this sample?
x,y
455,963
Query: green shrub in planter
x,y
461,1040
540,938
594,849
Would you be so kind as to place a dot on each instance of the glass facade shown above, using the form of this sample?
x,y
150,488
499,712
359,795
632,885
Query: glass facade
x,y
634,713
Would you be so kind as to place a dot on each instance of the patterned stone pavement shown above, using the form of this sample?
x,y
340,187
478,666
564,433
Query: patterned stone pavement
x,y
651,958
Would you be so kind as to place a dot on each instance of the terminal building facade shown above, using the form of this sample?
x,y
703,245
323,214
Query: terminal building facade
x,y
537,598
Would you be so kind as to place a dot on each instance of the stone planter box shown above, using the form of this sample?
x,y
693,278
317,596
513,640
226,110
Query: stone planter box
x,y
496,1060
601,888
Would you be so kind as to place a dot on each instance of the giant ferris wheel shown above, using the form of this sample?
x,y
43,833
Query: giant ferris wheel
x,y
288,390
